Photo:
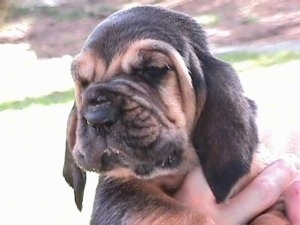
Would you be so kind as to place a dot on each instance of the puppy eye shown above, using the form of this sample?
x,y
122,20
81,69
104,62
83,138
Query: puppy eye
x,y
83,83
154,75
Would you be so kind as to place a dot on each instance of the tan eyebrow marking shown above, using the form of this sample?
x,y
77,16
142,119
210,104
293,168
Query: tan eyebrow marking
x,y
86,66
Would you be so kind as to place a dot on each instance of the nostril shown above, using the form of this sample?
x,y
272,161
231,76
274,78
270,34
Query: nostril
x,y
102,115
108,122
93,117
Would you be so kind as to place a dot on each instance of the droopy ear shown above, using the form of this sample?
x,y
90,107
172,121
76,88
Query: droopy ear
x,y
73,175
225,135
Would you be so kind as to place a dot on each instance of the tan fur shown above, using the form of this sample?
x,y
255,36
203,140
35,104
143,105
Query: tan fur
x,y
182,216
163,182
71,130
86,67
83,66
174,102
163,54
120,173
169,214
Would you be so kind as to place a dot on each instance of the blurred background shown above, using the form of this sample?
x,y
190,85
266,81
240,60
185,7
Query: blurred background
x,y
38,38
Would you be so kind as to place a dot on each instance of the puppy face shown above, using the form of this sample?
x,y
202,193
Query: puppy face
x,y
133,119
151,99
135,113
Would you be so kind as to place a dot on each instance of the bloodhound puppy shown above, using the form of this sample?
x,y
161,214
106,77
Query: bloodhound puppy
x,y
152,104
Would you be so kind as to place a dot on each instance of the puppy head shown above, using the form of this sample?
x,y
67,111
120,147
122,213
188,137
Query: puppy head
x,y
149,95
136,116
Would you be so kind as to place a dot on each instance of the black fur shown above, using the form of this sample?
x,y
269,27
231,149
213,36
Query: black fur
x,y
125,27
73,175
226,134
131,199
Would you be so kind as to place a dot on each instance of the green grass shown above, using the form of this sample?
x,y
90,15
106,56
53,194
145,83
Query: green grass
x,y
249,20
53,98
261,59
60,13
208,19
66,14
55,12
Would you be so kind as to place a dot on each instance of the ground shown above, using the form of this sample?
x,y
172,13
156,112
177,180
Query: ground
x,y
57,31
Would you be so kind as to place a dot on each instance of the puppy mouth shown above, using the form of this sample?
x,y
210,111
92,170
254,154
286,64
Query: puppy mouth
x,y
145,170
111,150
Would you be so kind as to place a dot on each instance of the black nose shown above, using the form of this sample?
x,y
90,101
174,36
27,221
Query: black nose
x,y
104,114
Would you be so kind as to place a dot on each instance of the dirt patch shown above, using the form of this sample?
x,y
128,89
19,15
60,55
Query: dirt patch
x,y
61,30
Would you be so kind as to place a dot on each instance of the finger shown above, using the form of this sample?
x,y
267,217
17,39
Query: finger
x,y
261,193
189,191
292,158
292,201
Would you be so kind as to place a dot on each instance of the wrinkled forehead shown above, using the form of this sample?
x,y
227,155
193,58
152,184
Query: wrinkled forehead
x,y
120,29
88,66
127,37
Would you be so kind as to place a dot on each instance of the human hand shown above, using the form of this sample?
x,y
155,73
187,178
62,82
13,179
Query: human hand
x,y
292,201
251,201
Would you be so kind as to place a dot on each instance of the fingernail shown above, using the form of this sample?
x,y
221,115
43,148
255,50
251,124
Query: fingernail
x,y
286,162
